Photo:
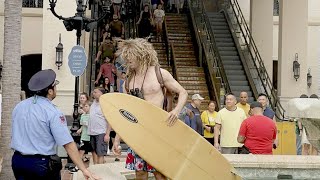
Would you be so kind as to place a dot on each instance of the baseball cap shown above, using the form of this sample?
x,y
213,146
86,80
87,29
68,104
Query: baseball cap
x,y
197,96
255,104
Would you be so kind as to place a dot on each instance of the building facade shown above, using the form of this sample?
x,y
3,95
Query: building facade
x,y
296,30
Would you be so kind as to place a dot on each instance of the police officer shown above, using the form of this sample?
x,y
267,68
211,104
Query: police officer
x,y
37,127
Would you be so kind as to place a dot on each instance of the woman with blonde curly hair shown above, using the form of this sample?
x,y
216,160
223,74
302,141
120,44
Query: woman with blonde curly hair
x,y
141,61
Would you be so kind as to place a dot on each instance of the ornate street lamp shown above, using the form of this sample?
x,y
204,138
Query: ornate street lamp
x,y
78,22
309,78
59,53
296,68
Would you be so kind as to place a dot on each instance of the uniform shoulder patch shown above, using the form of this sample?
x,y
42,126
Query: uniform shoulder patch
x,y
62,119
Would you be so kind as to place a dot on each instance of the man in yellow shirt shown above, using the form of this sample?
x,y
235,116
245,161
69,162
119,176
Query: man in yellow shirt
x,y
208,121
228,122
243,104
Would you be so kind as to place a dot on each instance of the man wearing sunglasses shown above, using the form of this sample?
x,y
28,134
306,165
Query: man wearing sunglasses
x,y
38,126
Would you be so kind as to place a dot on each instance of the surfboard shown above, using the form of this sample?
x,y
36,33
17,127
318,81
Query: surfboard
x,y
178,152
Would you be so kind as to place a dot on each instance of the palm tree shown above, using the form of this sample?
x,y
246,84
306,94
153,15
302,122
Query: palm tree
x,y
11,79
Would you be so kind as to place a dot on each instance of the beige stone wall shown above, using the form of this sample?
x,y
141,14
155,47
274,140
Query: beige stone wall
x,y
52,26
31,37
312,59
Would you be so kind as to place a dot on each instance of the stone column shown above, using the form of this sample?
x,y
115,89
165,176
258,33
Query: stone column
x,y
293,38
261,25
52,26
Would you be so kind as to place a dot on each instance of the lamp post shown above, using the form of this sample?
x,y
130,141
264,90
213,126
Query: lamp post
x,y
296,68
78,22
59,53
309,78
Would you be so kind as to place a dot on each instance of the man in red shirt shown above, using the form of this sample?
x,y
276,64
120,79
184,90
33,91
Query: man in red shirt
x,y
258,131
107,70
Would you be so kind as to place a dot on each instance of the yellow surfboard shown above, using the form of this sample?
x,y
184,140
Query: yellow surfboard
x,y
178,151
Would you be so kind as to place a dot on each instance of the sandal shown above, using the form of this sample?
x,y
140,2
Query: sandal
x,y
85,159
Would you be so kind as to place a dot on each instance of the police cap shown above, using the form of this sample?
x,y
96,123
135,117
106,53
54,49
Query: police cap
x,y
42,80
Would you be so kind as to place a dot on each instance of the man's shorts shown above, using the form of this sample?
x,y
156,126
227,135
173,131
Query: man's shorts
x,y
85,146
98,144
136,163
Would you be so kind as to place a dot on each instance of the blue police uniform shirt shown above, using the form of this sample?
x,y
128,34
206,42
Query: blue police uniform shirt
x,y
38,127
269,113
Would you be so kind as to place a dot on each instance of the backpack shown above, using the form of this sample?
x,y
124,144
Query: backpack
x,y
168,97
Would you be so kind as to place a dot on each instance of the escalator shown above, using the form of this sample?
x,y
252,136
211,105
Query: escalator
x,y
226,46
227,36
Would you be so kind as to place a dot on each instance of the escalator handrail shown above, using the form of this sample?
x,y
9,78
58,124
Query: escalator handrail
x,y
205,58
255,56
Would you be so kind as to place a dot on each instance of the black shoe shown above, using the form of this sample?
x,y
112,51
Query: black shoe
x,y
117,159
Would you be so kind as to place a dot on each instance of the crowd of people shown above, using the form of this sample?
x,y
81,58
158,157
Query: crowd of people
x,y
237,128
129,66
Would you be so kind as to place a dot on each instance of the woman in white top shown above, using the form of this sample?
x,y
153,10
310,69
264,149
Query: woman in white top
x,y
116,7
158,18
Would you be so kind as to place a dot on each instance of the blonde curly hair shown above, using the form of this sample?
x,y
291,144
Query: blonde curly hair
x,y
141,50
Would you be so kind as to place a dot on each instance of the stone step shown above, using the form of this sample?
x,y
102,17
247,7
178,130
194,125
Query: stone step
x,y
186,59
186,48
182,51
192,56
191,74
172,28
177,24
180,31
193,86
176,41
192,78
179,34
196,91
184,38
188,69
192,82
184,63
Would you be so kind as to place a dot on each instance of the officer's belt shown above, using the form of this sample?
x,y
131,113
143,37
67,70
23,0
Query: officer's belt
x,y
33,155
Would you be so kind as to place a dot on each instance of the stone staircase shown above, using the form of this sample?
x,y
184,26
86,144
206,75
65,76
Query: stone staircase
x,y
160,48
229,55
189,75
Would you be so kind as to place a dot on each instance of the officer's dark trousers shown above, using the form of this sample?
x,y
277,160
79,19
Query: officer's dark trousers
x,y
32,168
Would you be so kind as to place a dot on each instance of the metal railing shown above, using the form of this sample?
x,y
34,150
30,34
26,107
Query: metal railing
x,y
258,71
211,58
166,40
173,62
32,3
276,7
